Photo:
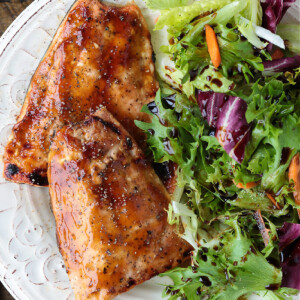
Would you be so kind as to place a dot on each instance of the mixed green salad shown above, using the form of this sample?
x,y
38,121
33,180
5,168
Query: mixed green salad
x,y
227,115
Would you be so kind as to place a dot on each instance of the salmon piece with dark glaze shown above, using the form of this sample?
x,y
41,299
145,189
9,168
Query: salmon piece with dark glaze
x,y
110,210
100,55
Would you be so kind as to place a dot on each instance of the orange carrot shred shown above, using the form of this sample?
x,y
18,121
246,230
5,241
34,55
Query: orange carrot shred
x,y
294,174
213,46
248,185
272,199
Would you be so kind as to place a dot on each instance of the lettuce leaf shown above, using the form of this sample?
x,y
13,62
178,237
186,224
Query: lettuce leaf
x,y
201,158
281,65
247,28
253,200
208,79
275,129
192,62
253,12
211,208
180,134
180,16
273,12
291,36
228,270
253,32
291,132
165,4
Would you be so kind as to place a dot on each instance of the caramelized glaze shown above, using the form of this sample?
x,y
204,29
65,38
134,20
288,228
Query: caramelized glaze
x,y
101,55
110,209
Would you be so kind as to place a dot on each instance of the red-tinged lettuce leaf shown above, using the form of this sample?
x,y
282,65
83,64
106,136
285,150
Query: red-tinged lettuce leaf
x,y
226,114
282,64
289,246
273,12
210,104
279,8
269,19
233,131
288,233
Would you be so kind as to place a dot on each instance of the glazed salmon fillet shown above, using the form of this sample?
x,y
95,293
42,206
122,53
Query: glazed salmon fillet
x,y
110,210
100,55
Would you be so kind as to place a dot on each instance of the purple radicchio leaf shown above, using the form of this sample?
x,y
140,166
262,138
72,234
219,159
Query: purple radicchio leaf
x,y
226,114
282,64
289,246
273,12
269,20
210,104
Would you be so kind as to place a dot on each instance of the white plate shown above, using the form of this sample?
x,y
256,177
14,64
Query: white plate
x,y
31,266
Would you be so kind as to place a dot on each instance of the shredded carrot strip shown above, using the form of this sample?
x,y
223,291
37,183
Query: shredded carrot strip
x,y
262,227
272,199
213,46
248,185
294,174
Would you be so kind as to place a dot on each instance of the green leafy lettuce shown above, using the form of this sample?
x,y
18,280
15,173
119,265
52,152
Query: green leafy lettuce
x,y
165,4
276,132
228,270
290,33
218,218
207,198
188,49
179,16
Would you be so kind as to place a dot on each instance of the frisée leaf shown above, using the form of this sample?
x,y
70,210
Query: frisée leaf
x,y
226,271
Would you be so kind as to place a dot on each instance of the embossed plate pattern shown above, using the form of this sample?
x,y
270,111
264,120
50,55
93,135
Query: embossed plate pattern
x,y
31,266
